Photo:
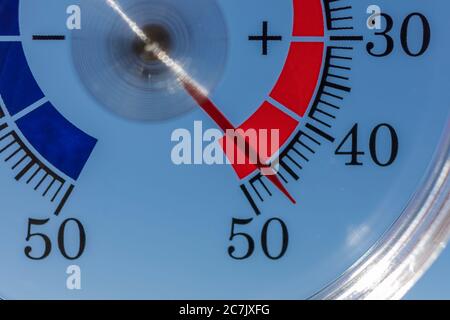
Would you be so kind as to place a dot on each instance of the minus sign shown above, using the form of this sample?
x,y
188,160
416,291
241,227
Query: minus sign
x,y
49,37
346,38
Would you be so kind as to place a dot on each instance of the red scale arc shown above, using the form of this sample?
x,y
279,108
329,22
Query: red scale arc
x,y
308,18
297,83
295,87
267,117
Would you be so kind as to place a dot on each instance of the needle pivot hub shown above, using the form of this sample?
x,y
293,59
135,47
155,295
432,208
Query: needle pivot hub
x,y
158,36
124,74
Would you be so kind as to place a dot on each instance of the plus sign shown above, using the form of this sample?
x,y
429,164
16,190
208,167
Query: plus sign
x,y
265,38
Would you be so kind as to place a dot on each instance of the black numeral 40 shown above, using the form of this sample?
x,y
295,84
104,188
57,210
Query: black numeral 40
x,y
355,153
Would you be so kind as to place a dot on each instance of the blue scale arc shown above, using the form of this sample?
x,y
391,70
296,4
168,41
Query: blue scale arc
x,y
17,84
9,17
56,139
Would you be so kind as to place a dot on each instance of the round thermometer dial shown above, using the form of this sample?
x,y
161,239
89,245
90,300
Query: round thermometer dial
x,y
222,149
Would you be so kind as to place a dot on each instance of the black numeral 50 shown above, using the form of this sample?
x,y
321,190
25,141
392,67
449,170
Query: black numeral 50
x,y
250,243
47,243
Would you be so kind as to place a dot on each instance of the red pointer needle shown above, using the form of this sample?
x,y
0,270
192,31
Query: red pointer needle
x,y
215,114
